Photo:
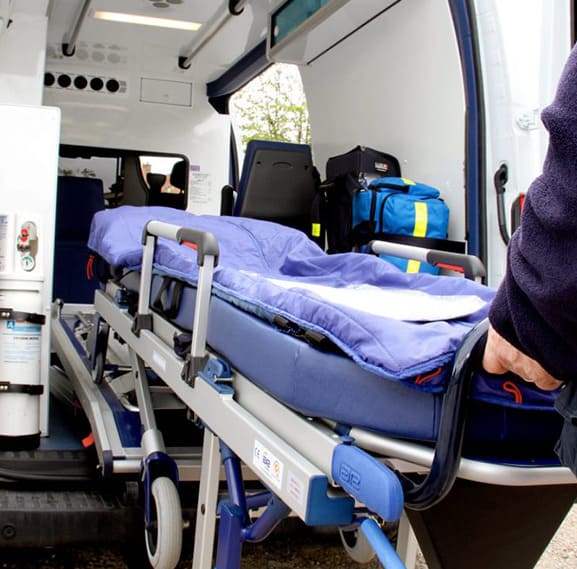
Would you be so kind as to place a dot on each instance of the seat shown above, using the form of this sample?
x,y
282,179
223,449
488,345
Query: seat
x,y
177,180
178,175
77,200
278,183
155,183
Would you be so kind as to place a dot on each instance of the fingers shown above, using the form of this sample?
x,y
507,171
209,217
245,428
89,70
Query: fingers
x,y
549,384
500,357
532,372
493,357
492,363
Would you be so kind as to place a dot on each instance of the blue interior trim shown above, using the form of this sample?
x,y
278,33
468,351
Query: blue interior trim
x,y
466,34
245,69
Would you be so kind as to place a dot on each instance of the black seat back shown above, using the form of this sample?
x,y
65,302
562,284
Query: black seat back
x,y
78,199
155,183
278,183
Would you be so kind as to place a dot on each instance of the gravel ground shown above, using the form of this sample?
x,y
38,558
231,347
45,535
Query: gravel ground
x,y
301,549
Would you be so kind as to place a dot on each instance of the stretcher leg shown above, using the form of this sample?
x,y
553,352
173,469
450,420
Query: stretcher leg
x,y
233,514
407,542
163,513
235,523
236,493
98,344
207,499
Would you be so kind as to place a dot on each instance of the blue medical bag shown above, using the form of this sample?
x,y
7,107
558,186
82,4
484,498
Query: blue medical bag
x,y
390,207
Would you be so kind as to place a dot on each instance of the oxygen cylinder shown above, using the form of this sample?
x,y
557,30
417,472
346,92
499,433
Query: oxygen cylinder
x,y
21,323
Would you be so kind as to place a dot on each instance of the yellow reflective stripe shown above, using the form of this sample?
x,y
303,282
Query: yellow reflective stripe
x,y
316,230
408,182
413,266
421,219
420,230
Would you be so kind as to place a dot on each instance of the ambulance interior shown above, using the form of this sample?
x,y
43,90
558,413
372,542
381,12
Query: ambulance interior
x,y
108,108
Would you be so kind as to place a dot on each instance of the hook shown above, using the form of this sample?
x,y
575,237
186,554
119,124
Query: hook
x,y
232,8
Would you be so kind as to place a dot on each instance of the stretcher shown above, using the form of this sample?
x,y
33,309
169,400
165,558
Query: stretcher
x,y
267,366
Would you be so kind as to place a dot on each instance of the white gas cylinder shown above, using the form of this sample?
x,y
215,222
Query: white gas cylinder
x,y
21,323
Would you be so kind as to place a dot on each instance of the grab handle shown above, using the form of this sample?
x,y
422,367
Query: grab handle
x,y
500,180
205,242
469,265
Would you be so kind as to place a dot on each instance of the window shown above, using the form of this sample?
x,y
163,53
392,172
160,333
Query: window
x,y
130,177
272,107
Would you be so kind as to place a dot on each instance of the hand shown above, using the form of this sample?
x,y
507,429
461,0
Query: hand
x,y
500,357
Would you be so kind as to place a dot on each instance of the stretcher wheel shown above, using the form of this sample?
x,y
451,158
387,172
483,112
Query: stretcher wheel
x,y
164,535
357,545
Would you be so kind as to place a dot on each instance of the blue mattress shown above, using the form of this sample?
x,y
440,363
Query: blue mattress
x,y
399,393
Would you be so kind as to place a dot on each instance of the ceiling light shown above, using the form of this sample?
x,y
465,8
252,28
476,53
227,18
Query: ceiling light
x,y
146,20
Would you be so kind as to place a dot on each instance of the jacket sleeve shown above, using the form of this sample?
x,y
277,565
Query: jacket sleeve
x,y
535,308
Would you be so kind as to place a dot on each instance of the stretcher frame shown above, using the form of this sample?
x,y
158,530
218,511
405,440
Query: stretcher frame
x,y
239,417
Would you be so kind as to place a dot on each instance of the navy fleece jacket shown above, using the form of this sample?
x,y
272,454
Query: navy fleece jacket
x,y
536,305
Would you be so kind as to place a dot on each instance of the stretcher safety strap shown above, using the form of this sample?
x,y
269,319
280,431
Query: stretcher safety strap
x,y
161,301
420,230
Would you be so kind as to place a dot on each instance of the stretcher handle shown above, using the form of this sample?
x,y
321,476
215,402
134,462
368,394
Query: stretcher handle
x,y
207,257
469,265
447,456
204,241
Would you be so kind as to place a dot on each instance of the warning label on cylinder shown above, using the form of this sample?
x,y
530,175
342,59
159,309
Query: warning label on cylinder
x,y
20,343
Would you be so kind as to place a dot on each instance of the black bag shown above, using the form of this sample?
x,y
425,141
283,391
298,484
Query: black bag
x,y
345,175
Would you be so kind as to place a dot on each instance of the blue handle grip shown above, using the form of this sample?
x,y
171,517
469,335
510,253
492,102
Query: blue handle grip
x,y
369,481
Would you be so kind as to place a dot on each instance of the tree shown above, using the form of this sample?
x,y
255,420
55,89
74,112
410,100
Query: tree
x,y
273,107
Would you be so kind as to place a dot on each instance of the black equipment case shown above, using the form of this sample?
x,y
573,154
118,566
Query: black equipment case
x,y
346,174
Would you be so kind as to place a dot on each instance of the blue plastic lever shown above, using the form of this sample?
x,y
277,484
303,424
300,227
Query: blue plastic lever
x,y
369,481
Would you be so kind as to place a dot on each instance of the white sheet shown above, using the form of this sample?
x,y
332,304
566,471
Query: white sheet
x,y
398,304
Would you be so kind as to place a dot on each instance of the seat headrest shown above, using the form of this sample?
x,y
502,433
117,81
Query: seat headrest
x,y
155,181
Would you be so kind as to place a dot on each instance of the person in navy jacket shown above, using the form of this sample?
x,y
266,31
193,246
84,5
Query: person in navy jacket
x,y
533,318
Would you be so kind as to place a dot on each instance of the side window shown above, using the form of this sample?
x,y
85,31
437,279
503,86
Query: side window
x,y
271,107
128,177
103,168
159,170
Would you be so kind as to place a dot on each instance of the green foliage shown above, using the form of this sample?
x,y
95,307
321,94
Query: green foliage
x,y
273,107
